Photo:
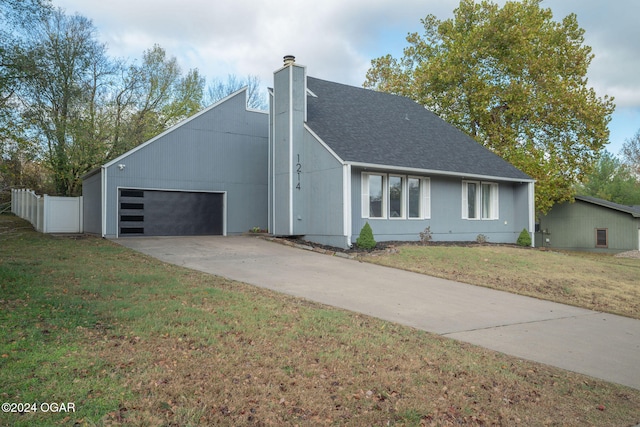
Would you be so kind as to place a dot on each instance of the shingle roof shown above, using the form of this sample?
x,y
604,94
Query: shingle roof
x,y
633,210
365,126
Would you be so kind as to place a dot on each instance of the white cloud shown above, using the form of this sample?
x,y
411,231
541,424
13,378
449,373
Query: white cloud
x,y
336,39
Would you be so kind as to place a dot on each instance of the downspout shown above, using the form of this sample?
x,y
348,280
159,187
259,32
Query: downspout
x,y
103,208
532,214
346,194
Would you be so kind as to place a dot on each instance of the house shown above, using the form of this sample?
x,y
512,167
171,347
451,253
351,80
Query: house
x,y
325,159
590,224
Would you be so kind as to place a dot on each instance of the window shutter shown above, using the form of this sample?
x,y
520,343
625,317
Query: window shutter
x,y
426,199
365,195
494,201
465,208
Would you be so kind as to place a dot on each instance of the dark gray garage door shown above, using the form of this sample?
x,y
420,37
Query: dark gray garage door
x,y
169,213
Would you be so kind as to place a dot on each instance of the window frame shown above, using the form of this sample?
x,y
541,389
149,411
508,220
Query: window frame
x,y
479,204
366,200
425,196
606,237
403,198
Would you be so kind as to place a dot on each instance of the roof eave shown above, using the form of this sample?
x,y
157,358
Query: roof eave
x,y
607,204
438,172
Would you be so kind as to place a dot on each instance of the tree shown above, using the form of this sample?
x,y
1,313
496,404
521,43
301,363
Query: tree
x,y
153,96
18,17
513,79
219,89
68,70
631,153
611,180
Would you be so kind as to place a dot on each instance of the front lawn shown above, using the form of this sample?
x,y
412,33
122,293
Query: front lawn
x,y
130,340
595,281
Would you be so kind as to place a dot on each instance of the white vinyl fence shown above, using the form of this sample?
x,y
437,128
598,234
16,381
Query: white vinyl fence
x,y
48,214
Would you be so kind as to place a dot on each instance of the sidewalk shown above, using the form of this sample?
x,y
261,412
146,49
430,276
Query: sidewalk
x,y
600,345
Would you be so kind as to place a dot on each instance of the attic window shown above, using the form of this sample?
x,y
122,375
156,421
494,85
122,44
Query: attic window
x,y
602,238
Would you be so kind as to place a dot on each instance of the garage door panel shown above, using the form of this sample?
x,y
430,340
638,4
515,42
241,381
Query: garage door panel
x,y
170,213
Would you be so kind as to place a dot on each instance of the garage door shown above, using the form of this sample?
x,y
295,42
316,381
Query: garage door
x,y
169,213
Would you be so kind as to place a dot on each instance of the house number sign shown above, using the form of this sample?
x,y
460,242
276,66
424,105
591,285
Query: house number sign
x,y
298,171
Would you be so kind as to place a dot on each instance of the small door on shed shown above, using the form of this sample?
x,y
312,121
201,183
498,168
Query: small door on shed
x,y
170,213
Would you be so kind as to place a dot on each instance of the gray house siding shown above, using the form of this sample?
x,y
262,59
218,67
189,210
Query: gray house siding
x,y
287,120
91,203
320,204
222,150
446,222
572,226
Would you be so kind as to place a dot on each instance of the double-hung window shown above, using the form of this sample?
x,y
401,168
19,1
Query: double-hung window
x,y
479,200
395,196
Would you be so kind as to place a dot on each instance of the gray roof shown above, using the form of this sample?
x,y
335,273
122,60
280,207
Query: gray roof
x,y
376,128
633,210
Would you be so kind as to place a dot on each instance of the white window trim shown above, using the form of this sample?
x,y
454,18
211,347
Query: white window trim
x,y
425,196
403,197
365,208
494,199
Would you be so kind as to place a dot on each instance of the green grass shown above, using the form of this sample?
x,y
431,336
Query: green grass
x,y
133,341
595,281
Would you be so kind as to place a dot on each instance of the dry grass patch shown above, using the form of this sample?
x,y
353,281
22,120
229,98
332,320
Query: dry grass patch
x,y
595,281
133,341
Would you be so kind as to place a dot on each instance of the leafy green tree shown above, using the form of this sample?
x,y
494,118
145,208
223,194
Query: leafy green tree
x,y
153,96
18,17
515,80
611,180
68,67
631,153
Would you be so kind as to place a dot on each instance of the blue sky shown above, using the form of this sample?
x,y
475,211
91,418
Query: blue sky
x,y
337,39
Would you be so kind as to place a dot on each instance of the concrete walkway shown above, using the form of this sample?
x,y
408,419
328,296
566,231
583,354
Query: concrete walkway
x,y
600,345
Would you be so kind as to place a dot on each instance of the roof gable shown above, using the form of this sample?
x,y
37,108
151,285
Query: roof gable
x,y
369,127
240,95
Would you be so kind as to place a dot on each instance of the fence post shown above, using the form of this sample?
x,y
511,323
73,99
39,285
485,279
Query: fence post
x,y
81,214
45,210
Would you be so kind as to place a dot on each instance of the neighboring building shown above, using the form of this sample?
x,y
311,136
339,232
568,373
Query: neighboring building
x,y
325,160
590,224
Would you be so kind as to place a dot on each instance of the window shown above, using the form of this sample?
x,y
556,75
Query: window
x,y
395,196
602,240
373,196
479,200
419,198
414,197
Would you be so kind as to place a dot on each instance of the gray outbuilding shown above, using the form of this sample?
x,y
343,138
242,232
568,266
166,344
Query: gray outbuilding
x,y
590,224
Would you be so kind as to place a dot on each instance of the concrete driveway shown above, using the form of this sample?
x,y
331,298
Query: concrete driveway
x,y
600,345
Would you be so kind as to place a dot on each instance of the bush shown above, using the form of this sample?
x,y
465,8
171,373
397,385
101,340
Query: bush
x,y
426,236
524,239
366,240
481,238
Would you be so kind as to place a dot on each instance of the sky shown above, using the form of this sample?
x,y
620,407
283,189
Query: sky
x,y
337,39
